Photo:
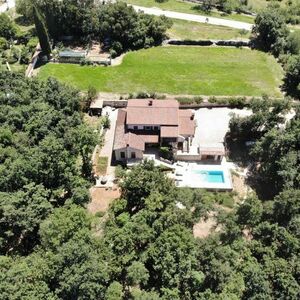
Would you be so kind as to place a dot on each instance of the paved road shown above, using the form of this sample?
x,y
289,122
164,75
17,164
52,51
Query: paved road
x,y
9,4
195,18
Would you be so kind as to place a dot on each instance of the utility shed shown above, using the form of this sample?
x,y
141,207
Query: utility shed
x,y
96,107
69,56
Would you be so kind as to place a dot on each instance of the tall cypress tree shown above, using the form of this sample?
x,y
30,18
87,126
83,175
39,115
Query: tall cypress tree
x,y
42,32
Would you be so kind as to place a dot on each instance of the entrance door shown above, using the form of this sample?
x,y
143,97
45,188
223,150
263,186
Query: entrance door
x,y
133,156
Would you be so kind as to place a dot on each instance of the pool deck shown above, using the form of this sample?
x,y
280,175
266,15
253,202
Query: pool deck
x,y
185,176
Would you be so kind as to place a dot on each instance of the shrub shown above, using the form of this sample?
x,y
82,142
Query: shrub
x,y
119,172
198,99
142,95
3,44
106,122
184,100
113,53
117,47
25,55
166,153
85,62
22,37
191,42
99,214
8,28
237,102
32,43
212,99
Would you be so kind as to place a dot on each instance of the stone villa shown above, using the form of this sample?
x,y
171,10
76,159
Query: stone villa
x,y
147,124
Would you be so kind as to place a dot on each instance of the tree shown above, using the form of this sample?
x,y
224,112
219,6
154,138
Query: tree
x,y
293,43
62,226
8,28
91,95
270,31
173,258
250,212
126,29
286,206
137,274
140,183
114,291
25,8
292,77
42,32
21,214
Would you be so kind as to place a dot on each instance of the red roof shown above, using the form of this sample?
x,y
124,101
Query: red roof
x,y
155,103
149,138
169,131
122,139
134,141
152,112
186,122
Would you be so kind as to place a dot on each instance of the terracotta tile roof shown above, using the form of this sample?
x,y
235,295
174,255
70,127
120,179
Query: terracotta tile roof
x,y
121,117
134,141
207,150
186,122
152,112
169,131
122,139
129,139
149,138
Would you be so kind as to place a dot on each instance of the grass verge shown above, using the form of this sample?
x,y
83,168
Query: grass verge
x,y
101,166
196,31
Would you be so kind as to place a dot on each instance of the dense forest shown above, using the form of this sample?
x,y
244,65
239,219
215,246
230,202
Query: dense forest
x,y
51,248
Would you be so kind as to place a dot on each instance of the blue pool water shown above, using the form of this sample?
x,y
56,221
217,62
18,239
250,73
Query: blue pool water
x,y
210,176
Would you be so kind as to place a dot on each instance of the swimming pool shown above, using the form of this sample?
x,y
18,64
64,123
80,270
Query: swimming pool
x,y
210,176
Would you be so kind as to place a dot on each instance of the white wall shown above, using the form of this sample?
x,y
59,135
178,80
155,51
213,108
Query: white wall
x,y
128,151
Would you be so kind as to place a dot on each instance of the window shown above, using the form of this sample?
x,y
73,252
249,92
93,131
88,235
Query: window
x,y
155,127
147,127
122,154
133,155
210,157
135,127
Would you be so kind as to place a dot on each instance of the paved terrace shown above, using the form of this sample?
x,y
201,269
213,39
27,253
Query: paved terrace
x,y
213,124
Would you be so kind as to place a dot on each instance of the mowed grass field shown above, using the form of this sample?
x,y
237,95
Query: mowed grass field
x,y
179,70
195,31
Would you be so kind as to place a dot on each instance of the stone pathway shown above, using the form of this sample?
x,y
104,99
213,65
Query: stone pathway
x,y
107,149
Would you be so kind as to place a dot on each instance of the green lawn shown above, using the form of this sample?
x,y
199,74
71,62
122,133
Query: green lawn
x,y
192,30
189,8
179,70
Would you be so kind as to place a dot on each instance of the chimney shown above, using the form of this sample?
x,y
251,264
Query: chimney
x,y
150,102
